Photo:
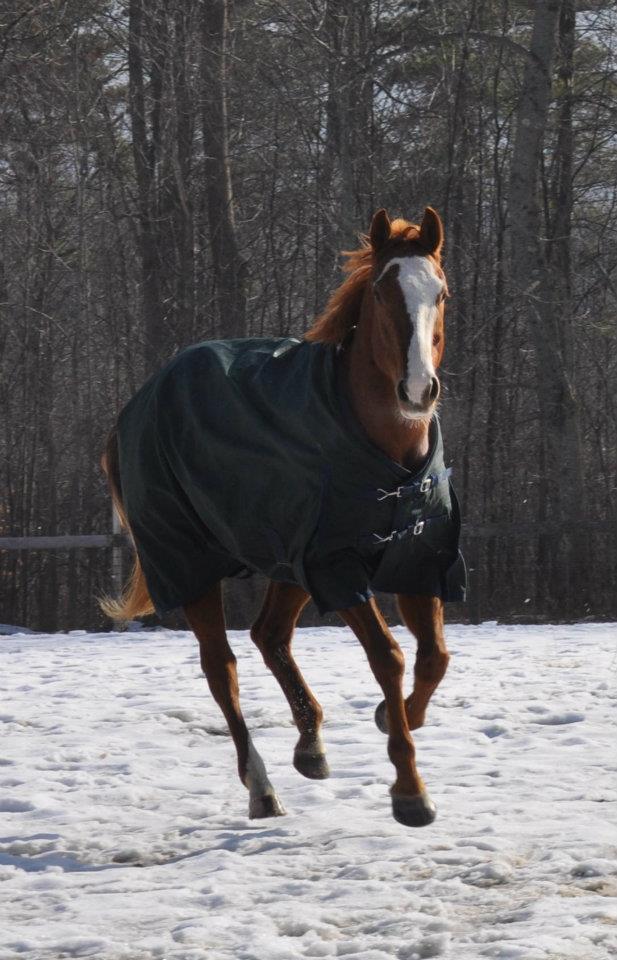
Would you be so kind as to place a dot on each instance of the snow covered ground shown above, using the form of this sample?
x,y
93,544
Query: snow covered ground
x,y
123,829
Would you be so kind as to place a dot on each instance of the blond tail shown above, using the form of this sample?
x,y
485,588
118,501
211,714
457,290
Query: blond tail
x,y
135,600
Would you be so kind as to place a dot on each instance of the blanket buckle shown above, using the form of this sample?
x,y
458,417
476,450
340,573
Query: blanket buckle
x,y
387,539
393,493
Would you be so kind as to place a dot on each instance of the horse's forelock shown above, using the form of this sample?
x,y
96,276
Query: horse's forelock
x,y
343,307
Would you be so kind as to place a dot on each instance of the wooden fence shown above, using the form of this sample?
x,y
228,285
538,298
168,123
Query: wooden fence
x,y
474,536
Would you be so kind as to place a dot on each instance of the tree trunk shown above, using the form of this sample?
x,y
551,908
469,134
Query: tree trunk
x,y
532,284
228,265
145,163
345,176
560,227
328,189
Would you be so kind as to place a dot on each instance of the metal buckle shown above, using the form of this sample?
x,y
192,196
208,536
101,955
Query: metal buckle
x,y
393,493
426,485
418,528
387,539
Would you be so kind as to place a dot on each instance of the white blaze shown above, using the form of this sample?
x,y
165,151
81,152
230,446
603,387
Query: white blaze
x,y
420,286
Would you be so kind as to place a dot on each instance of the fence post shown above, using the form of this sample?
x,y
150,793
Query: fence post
x,y
472,550
116,554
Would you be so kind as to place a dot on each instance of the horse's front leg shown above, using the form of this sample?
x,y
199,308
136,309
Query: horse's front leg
x,y
207,620
411,804
424,617
272,633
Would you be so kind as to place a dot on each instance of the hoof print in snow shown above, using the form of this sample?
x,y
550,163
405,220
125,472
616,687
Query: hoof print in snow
x,y
416,811
557,719
268,806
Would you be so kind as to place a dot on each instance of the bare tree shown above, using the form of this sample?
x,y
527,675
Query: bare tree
x,y
229,268
173,171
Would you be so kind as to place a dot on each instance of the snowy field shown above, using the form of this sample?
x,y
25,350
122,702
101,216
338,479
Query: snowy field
x,y
124,833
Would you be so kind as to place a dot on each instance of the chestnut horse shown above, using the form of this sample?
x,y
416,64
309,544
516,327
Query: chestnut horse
x,y
387,319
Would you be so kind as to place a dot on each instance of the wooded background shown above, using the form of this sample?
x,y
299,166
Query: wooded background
x,y
176,170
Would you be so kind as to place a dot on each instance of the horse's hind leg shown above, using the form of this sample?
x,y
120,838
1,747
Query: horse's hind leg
x,y
207,620
272,633
424,617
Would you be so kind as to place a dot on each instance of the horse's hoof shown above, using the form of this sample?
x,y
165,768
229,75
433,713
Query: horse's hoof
x,y
381,717
312,765
266,806
415,811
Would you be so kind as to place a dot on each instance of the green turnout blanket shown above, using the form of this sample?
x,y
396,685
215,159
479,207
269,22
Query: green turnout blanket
x,y
242,455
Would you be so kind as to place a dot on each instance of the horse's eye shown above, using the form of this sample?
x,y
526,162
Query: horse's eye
x,y
436,339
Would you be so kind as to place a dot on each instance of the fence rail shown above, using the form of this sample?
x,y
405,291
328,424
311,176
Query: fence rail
x,y
87,541
475,538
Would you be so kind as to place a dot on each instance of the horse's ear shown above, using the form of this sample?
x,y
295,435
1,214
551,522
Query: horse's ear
x,y
431,232
380,230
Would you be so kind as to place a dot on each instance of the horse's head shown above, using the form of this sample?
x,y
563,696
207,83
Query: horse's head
x,y
407,297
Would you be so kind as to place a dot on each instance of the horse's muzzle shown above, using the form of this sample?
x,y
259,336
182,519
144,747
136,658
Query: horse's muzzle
x,y
429,397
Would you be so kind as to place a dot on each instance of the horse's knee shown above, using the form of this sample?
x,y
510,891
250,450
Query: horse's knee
x,y
432,666
388,662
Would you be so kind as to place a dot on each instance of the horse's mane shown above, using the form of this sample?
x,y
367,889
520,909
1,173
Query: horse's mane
x,y
343,307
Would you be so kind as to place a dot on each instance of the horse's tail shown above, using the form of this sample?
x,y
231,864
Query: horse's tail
x,y
135,600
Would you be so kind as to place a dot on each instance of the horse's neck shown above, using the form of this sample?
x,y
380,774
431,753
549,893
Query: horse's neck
x,y
373,399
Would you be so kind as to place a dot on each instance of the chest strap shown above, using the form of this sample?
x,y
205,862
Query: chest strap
x,y
414,529
410,489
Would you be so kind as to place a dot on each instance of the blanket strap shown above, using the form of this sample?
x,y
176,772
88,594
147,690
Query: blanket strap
x,y
414,529
410,489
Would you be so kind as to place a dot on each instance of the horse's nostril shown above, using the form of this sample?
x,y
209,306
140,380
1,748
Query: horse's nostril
x,y
431,392
402,392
